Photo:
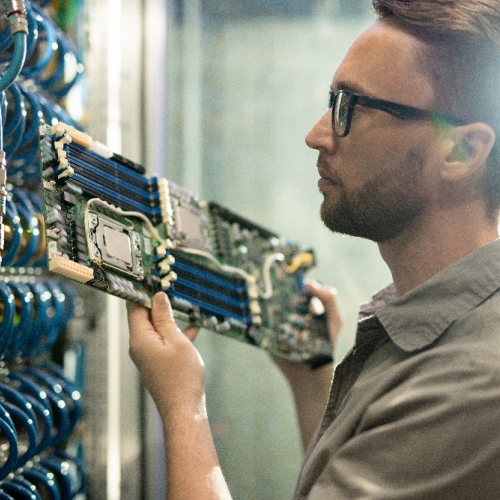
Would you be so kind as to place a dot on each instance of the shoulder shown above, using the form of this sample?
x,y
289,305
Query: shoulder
x,y
427,423
447,388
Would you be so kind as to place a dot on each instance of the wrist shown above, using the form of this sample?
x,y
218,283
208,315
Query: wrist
x,y
184,408
311,387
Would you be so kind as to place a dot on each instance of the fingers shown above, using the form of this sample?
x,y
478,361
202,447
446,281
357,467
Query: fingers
x,y
163,317
138,316
160,318
191,331
329,298
169,364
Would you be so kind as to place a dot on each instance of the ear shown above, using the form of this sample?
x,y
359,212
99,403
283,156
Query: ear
x,y
467,150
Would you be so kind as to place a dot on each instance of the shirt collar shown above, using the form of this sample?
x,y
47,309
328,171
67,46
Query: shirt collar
x,y
418,318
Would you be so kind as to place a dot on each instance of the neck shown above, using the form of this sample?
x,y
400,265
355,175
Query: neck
x,y
431,244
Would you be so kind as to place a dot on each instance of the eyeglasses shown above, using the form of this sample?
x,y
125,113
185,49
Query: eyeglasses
x,y
343,103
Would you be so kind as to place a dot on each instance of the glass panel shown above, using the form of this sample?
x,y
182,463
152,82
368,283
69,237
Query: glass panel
x,y
246,81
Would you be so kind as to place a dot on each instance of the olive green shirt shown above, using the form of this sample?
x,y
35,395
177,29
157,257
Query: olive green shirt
x,y
414,410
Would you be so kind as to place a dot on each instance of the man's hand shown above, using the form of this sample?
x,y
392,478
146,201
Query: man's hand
x,y
310,388
174,374
328,296
170,365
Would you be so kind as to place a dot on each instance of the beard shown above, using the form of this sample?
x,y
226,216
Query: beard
x,y
384,206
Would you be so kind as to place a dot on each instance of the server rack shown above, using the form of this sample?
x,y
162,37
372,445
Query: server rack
x,y
109,423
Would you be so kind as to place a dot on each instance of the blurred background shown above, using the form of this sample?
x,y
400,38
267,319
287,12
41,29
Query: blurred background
x,y
245,80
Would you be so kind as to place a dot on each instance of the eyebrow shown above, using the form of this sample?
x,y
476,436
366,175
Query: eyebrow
x,y
352,87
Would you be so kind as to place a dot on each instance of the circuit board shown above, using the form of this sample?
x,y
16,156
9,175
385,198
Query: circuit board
x,y
113,228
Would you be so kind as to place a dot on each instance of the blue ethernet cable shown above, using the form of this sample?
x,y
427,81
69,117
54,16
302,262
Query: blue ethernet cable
x,y
18,58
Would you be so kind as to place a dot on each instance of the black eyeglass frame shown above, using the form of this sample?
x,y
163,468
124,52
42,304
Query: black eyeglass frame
x,y
401,111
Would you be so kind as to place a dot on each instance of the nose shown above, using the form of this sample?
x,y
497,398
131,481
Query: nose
x,y
321,136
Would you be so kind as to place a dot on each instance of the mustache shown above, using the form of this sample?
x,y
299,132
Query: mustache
x,y
325,170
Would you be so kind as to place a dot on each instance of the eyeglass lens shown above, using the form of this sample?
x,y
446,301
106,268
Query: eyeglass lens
x,y
341,113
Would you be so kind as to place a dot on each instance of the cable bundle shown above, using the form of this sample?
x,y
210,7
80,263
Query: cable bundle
x,y
54,63
25,241
35,312
40,408
52,67
24,109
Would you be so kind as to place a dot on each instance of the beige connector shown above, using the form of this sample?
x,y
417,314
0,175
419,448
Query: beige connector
x,y
256,320
166,280
71,269
67,172
252,291
79,137
164,267
255,307
161,249
165,284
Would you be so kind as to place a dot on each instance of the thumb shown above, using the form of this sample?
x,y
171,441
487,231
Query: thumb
x,y
161,314
163,318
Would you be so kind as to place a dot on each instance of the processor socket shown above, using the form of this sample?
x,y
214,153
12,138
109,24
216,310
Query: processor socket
x,y
191,227
119,246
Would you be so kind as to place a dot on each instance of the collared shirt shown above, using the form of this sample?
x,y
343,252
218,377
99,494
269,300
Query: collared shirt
x,y
414,410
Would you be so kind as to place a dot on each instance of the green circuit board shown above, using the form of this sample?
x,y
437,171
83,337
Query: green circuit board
x,y
113,228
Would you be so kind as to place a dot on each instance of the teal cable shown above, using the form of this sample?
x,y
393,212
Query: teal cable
x,y
2,97
17,62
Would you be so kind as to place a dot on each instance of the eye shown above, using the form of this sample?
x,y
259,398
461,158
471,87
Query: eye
x,y
331,99
356,109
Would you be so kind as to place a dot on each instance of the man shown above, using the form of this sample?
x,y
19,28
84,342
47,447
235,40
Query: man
x,y
407,158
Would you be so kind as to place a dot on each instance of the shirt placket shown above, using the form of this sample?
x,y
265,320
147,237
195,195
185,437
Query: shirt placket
x,y
370,336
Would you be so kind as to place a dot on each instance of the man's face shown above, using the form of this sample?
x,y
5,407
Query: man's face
x,y
377,180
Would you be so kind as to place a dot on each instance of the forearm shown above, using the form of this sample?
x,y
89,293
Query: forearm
x,y
310,389
174,373
193,469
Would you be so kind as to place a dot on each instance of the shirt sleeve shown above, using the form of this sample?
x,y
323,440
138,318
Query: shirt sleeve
x,y
431,432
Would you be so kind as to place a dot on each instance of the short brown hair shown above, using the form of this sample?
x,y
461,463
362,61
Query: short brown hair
x,y
463,59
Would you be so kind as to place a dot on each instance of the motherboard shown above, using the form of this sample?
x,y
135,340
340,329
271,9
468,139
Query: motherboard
x,y
113,228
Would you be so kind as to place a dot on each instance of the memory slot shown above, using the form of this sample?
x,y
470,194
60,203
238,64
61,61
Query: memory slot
x,y
206,278
209,307
98,191
121,186
111,193
213,293
203,280
210,298
234,282
112,167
